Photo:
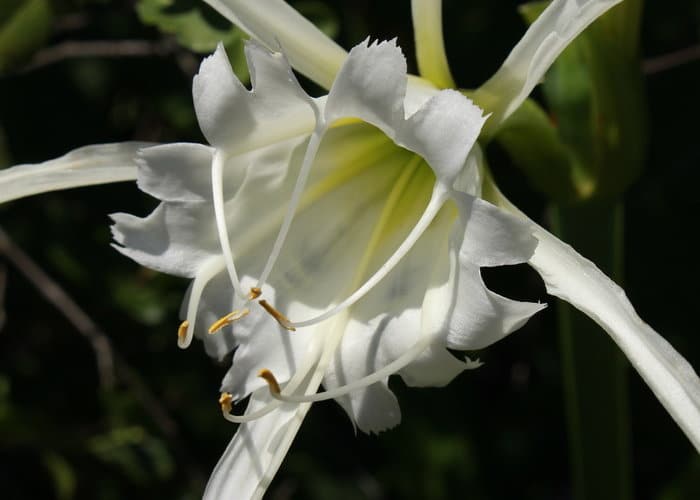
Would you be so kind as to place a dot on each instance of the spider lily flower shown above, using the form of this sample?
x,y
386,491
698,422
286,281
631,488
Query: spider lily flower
x,y
336,241
332,241
382,282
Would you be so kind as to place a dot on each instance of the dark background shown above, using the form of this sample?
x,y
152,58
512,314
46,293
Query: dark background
x,y
497,432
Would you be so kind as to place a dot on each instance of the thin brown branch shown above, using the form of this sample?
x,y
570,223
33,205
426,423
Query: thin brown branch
x,y
110,365
671,60
101,49
61,301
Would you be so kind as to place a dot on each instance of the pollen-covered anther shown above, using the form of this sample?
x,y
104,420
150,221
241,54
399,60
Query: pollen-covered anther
x,y
270,379
182,330
254,293
226,402
228,319
281,318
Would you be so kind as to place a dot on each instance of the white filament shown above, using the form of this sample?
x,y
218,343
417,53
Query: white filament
x,y
405,359
205,273
217,167
249,417
309,156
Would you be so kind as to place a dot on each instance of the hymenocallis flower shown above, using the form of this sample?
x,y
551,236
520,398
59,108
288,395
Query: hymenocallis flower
x,y
341,237
335,241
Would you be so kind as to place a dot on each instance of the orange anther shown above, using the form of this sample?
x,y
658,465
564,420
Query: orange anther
x,y
270,379
281,318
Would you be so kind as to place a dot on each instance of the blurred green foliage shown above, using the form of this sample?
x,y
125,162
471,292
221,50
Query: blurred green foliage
x,y
25,25
595,96
497,432
196,26
534,145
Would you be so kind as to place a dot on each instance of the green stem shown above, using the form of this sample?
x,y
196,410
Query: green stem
x,y
594,369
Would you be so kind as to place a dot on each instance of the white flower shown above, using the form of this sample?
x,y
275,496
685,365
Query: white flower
x,y
357,219
371,250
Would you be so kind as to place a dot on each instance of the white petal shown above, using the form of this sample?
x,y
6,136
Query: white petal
x,y
373,409
469,180
371,85
530,59
443,132
178,237
393,317
271,76
363,350
172,239
437,367
221,101
479,316
86,166
492,236
176,172
577,280
237,120
251,460
280,27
